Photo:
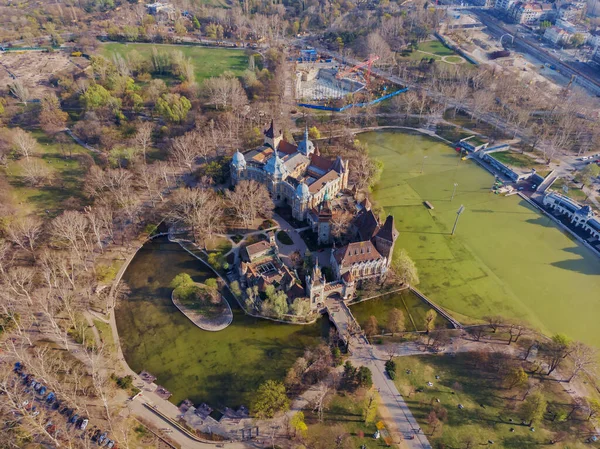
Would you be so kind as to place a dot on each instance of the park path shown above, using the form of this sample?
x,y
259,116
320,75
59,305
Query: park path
x,y
398,415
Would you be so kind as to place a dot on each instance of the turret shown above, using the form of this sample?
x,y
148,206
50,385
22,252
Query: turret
x,y
272,138
306,147
238,165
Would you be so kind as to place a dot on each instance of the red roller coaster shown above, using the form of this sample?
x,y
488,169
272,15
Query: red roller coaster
x,y
368,63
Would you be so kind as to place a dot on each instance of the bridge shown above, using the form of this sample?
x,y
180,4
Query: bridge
x,y
341,317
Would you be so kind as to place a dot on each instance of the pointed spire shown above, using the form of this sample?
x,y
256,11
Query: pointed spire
x,y
306,132
271,131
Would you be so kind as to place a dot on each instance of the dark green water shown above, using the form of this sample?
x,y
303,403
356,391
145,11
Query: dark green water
x,y
220,368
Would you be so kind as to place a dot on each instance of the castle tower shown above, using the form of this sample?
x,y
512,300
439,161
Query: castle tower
x,y
315,286
238,165
300,203
306,147
272,138
325,217
385,239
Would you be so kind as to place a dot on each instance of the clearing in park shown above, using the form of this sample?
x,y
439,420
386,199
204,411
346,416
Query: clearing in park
x,y
506,258
208,62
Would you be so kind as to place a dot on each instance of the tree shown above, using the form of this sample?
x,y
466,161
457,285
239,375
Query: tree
x,y
199,208
249,200
314,132
587,174
143,138
593,408
371,326
533,408
96,96
35,171
173,107
433,421
275,304
370,408
516,377
20,91
24,144
404,269
298,424
430,317
494,321
52,118
364,377
583,357
270,399
24,232
395,322
225,92
556,351
184,150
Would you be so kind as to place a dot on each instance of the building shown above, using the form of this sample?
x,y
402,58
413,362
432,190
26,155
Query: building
x,y
261,267
504,5
580,217
530,13
573,12
162,10
370,255
296,176
472,144
557,35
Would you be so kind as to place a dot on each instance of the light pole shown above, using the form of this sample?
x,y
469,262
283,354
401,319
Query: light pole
x,y
423,163
461,209
454,191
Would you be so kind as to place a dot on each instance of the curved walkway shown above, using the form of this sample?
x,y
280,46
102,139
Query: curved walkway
x,y
218,324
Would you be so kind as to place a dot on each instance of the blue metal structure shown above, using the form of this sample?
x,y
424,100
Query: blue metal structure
x,y
352,105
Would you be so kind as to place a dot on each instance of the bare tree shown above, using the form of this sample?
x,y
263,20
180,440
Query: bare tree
x,y
184,149
71,230
225,92
20,91
143,138
250,200
584,357
199,208
35,171
24,143
24,232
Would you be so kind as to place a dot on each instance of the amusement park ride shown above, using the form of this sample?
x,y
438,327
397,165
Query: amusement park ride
x,y
368,64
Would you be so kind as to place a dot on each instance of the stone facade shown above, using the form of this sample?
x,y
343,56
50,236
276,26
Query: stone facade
x,y
296,176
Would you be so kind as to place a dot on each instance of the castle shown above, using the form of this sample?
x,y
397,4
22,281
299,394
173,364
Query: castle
x,y
315,188
296,176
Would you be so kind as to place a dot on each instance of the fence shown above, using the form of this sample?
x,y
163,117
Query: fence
x,y
352,105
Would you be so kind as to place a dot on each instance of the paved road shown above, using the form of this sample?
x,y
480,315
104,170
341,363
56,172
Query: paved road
x,y
397,410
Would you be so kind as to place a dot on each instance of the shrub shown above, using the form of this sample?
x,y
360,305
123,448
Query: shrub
x,y
390,365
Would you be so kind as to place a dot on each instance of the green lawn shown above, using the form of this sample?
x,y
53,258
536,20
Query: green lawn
x,y
574,189
505,257
106,335
413,308
67,178
344,412
433,49
488,406
208,62
515,159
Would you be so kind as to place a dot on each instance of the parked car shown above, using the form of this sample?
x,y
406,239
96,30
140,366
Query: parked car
x,y
84,424
102,438
110,444
51,396
96,435
42,391
74,418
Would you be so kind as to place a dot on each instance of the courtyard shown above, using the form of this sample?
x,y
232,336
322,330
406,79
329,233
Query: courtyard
x,y
505,257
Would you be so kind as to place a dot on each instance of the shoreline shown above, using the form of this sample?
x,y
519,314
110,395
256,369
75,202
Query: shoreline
x,y
198,321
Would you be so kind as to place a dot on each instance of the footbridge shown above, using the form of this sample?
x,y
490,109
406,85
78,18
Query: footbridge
x,y
342,318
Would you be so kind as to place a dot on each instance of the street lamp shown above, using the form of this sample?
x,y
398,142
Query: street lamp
x,y
423,163
454,191
460,210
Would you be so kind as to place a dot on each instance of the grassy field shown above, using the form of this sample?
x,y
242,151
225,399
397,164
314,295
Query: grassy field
x,y
574,189
436,50
515,159
345,412
208,62
488,406
66,178
221,368
106,335
505,258
413,308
